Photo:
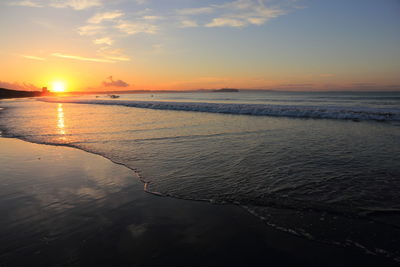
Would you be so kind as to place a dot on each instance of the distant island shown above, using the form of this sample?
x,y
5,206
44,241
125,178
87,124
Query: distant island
x,y
226,90
7,93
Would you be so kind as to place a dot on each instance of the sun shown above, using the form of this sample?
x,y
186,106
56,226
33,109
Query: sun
x,y
58,86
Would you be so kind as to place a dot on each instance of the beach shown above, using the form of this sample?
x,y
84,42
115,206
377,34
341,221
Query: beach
x,y
104,182
200,133
65,207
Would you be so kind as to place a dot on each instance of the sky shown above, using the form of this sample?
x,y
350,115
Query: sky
x,y
94,45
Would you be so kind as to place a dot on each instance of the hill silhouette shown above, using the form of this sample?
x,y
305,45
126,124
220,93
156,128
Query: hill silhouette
x,y
8,93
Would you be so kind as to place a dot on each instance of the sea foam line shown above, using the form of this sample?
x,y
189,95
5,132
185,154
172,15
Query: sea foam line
x,y
296,111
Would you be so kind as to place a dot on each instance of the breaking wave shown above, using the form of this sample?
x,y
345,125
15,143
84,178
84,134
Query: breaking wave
x,y
296,111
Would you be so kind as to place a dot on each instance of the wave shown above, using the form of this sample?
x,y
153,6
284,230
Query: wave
x,y
296,111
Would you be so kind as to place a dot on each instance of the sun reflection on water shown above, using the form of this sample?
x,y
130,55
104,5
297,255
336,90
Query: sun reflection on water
x,y
60,120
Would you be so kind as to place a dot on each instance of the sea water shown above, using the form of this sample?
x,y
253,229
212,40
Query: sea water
x,y
323,166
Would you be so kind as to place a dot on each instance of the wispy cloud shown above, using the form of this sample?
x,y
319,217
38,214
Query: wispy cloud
x,y
112,24
26,3
195,11
143,12
104,40
240,4
82,58
116,54
133,27
187,23
246,12
238,13
231,22
119,58
33,57
152,17
76,4
141,2
45,23
105,16
90,30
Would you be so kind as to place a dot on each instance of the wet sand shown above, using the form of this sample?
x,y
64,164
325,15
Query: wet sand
x,y
61,206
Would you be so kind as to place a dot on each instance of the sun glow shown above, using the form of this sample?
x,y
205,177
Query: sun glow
x,y
58,86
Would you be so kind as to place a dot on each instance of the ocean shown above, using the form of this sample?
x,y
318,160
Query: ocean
x,y
324,166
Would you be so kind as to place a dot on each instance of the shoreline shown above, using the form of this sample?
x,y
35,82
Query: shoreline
x,y
117,222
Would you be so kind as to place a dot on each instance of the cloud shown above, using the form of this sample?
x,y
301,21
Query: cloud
x,y
104,40
33,57
113,54
256,21
102,60
112,83
45,23
76,4
90,30
254,15
19,86
152,17
144,12
239,13
119,58
239,4
106,16
220,22
130,27
141,2
186,23
195,11
26,3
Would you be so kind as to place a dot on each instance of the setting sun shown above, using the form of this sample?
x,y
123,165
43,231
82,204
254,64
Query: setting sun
x,y
58,86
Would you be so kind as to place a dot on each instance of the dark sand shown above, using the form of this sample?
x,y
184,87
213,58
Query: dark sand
x,y
61,206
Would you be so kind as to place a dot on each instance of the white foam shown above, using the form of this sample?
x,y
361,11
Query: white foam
x,y
297,111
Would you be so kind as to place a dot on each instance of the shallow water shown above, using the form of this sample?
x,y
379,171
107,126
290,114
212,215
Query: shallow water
x,y
333,180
